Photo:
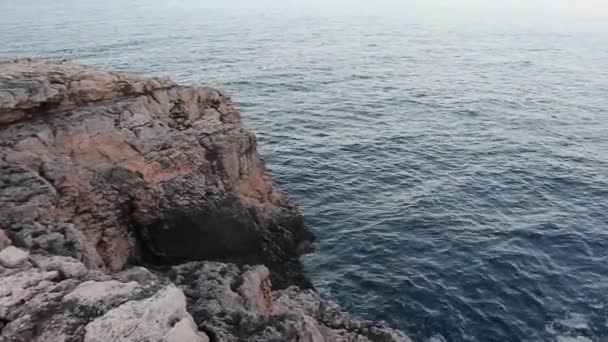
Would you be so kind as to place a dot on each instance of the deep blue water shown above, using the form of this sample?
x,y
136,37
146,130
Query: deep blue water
x,y
452,159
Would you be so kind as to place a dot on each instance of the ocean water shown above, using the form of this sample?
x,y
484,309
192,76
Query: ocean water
x,y
451,156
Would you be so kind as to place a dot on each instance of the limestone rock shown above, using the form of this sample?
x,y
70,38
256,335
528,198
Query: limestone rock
x,y
12,256
100,295
256,290
66,266
131,162
41,305
21,287
330,319
4,240
230,303
61,86
185,331
155,319
138,274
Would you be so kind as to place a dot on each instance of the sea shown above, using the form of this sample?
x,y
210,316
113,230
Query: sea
x,y
451,156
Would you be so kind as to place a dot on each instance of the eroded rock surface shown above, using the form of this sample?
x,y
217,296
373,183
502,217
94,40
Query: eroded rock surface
x,y
162,317
232,303
113,190
141,168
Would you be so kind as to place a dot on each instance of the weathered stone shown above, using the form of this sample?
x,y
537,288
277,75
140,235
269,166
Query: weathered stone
x,y
185,331
4,240
66,266
331,320
12,256
231,303
53,238
150,320
44,306
101,295
133,161
61,86
137,274
256,289
21,287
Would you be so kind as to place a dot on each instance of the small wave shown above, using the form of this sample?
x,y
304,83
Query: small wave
x,y
573,339
574,321
574,327
437,338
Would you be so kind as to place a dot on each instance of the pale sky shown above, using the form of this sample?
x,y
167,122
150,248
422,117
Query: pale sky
x,y
531,7
401,4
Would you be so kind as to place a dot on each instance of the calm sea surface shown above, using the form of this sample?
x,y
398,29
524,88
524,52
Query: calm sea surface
x,y
453,160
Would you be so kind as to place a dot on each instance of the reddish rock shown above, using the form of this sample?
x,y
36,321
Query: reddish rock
x,y
146,170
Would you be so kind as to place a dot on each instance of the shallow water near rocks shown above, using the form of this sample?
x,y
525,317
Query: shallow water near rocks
x,y
453,160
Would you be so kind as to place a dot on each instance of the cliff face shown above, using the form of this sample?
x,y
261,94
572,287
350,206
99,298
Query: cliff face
x,y
102,171
144,168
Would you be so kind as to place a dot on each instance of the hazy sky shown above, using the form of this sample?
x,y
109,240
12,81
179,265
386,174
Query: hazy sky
x,y
529,8
404,4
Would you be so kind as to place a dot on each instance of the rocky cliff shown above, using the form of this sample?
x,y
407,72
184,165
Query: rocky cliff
x,y
136,209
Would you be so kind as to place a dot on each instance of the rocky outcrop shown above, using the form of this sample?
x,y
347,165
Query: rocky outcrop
x,y
37,304
237,304
142,168
135,209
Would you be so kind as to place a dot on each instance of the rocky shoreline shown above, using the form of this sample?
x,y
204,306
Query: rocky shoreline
x,y
136,209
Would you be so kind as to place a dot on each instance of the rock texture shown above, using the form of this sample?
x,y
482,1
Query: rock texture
x,y
233,303
140,168
162,317
115,188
